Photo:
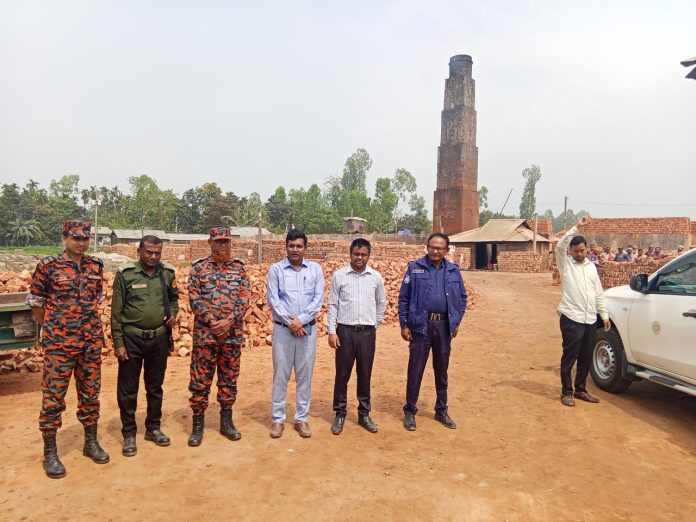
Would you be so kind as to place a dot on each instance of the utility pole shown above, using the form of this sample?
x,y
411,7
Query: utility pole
x,y
565,214
96,223
504,204
260,242
535,232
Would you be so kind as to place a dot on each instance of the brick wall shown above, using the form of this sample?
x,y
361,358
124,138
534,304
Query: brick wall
x,y
693,234
668,232
519,261
544,227
617,274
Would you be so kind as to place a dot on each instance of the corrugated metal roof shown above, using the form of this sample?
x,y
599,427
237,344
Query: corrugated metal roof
x,y
248,231
138,234
499,231
173,236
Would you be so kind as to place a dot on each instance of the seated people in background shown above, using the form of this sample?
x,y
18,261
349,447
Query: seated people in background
x,y
679,251
620,256
658,253
629,254
641,255
606,254
651,252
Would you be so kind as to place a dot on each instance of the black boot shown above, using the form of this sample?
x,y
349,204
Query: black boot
x,y
196,436
227,426
52,465
92,449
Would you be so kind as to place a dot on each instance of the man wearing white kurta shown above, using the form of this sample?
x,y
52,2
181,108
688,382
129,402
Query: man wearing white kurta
x,y
582,300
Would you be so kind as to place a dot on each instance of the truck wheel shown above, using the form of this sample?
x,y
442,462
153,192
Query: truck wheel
x,y
607,362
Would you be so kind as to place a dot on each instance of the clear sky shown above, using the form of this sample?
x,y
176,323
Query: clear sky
x,y
254,95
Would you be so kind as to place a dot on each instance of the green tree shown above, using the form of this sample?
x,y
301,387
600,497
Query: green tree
x,y
278,210
485,214
417,221
382,210
532,175
355,171
403,184
21,230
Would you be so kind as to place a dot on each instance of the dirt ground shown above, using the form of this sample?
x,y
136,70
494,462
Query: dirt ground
x,y
517,455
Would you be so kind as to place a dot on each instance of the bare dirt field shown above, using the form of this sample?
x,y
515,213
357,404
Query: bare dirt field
x,y
517,455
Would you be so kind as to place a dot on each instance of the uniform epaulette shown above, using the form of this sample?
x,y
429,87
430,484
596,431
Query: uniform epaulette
x,y
168,266
237,260
198,261
49,259
97,260
127,266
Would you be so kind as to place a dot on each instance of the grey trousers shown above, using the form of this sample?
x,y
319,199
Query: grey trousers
x,y
293,352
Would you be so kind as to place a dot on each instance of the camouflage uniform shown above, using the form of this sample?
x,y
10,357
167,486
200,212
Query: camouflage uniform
x,y
216,293
72,336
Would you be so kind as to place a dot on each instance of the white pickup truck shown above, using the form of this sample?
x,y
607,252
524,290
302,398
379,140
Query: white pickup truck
x,y
653,333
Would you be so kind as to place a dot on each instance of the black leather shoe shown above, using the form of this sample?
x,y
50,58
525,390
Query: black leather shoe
x,y
445,420
337,425
129,448
92,449
157,437
196,436
52,465
410,422
366,422
227,426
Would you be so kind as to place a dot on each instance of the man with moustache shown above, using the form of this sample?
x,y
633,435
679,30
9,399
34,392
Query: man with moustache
x,y
140,328
357,302
432,302
64,295
296,295
219,294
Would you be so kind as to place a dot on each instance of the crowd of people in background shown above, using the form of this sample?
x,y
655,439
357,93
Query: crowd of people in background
x,y
630,254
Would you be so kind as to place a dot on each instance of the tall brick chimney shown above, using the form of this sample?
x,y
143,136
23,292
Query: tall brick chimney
x,y
456,203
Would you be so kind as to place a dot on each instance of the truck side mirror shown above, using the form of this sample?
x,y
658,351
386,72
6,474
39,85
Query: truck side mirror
x,y
639,283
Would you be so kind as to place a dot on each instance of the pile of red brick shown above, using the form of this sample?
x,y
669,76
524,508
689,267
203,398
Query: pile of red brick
x,y
519,262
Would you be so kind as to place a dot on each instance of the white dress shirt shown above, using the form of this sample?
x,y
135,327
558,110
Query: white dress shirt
x,y
582,296
356,298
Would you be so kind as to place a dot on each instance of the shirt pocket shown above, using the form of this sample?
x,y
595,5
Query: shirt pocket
x,y
64,288
140,294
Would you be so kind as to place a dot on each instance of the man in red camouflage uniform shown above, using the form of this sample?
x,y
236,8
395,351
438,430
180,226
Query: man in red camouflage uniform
x,y
65,293
219,294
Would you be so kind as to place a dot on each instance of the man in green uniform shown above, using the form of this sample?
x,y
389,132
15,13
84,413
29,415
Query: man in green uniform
x,y
140,328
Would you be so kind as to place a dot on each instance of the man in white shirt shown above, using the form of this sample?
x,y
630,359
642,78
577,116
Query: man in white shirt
x,y
357,302
581,300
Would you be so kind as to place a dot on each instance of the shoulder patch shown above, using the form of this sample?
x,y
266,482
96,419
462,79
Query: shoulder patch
x,y
95,259
237,260
168,266
49,259
128,266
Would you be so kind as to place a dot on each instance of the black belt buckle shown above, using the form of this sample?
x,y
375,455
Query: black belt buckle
x,y
436,317
360,327
149,334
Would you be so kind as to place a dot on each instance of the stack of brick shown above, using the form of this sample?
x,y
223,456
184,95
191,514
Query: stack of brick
x,y
617,274
14,282
519,261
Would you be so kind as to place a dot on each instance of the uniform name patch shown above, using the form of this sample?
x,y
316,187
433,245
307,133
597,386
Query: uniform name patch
x,y
142,285
418,271
94,277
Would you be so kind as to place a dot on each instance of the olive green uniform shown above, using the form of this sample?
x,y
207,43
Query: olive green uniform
x,y
137,323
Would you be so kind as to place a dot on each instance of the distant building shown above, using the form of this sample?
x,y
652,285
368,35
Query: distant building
x,y
354,225
127,236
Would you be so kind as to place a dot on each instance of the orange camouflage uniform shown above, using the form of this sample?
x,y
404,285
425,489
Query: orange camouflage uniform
x,y
216,293
72,336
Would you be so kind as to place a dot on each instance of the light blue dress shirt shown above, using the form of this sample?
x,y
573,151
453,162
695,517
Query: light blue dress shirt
x,y
295,293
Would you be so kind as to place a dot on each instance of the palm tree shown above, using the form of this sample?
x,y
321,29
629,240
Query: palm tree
x,y
22,229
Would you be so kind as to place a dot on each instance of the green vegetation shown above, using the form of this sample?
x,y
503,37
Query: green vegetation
x,y
32,215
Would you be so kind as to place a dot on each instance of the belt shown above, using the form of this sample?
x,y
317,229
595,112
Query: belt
x,y
436,317
357,327
145,334
310,323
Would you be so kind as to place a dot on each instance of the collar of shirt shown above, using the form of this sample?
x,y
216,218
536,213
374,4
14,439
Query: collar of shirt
x,y
139,268
368,270
584,261
66,257
432,265
286,263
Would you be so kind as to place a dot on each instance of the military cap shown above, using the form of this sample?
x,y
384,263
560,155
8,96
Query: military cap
x,y
220,233
79,229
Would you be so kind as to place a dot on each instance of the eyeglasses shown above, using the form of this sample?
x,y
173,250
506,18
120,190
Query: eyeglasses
x,y
437,249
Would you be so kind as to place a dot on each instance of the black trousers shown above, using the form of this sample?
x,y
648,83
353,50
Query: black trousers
x,y
152,354
578,343
357,346
438,337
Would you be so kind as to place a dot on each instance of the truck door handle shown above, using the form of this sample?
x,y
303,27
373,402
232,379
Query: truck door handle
x,y
689,314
